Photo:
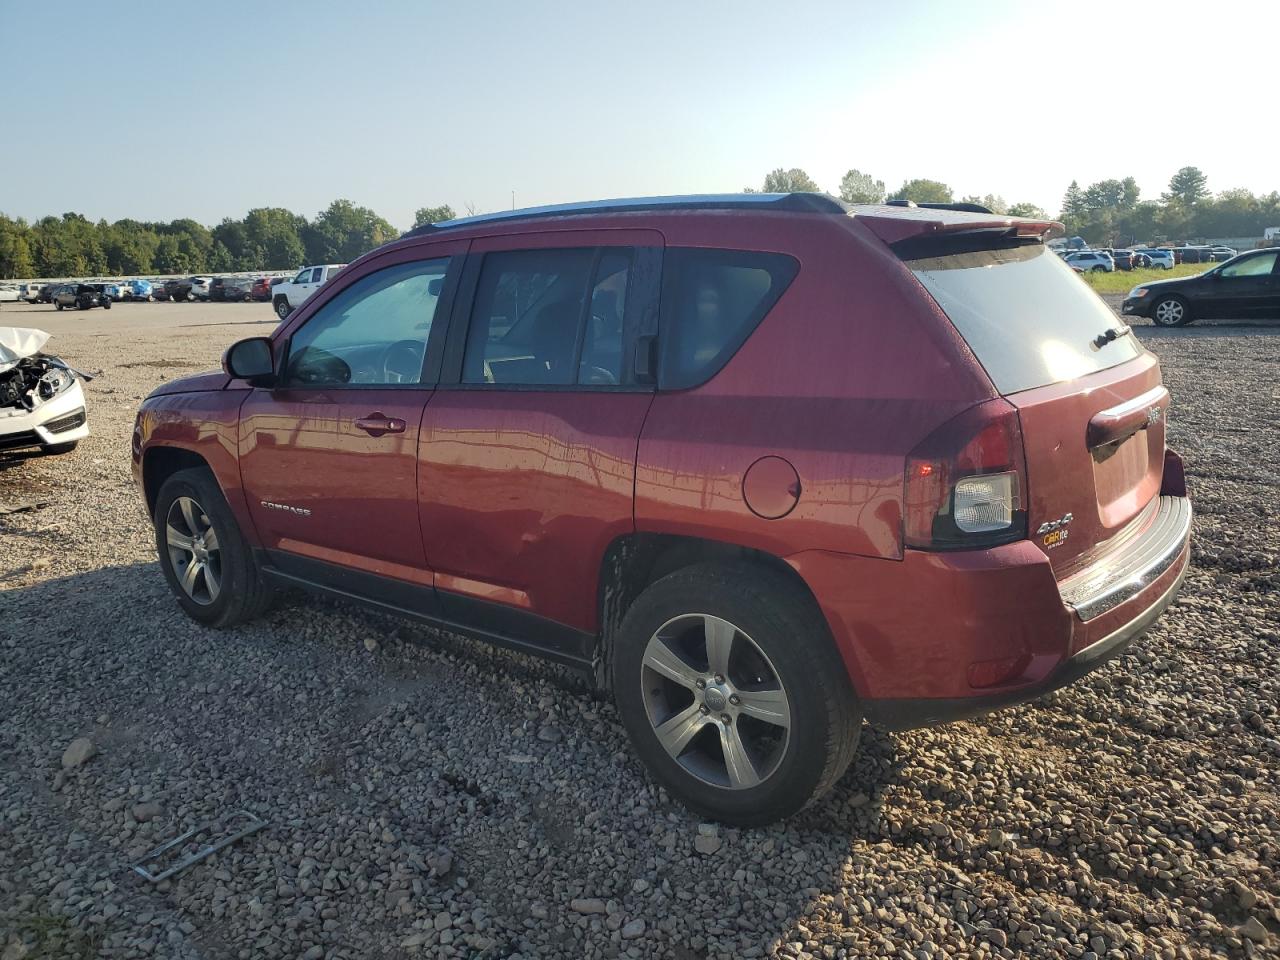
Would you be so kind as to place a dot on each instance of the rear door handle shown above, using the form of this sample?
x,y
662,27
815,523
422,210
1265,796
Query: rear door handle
x,y
376,424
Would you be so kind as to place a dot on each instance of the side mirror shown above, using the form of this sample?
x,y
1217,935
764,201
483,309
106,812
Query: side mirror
x,y
251,360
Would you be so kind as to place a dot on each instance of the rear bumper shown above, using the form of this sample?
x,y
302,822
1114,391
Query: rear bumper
x,y
938,637
910,713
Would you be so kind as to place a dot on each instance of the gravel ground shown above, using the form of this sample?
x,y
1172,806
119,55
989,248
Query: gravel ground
x,y
430,796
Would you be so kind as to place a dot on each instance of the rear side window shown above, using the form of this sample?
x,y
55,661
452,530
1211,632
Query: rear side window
x,y
712,300
1025,314
554,317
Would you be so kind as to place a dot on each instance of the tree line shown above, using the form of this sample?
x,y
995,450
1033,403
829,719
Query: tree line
x,y
1106,213
268,238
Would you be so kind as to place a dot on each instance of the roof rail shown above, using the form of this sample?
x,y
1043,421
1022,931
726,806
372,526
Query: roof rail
x,y
963,207
795,202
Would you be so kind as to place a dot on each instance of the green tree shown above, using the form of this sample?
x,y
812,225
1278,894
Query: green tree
x,y
15,249
1073,207
274,234
344,231
859,187
427,215
794,180
1188,187
1029,210
924,191
194,243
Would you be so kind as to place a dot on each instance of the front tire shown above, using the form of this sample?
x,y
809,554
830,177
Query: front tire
x,y
57,306
209,566
282,308
106,304
1171,312
730,687
1099,269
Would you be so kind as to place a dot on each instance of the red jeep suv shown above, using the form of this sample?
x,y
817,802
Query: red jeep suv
x,y
763,465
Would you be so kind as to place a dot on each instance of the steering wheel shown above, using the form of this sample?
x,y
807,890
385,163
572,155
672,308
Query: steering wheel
x,y
402,362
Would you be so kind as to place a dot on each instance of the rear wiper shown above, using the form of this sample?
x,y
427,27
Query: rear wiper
x,y
1106,336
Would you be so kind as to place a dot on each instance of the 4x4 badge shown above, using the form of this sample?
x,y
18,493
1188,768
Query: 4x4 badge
x,y
1054,532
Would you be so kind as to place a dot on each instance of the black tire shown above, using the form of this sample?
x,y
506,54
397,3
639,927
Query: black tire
x,y
242,593
1099,270
282,308
56,449
57,305
106,304
1171,311
777,618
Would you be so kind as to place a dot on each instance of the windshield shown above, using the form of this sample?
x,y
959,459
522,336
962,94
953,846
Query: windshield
x,y
1025,314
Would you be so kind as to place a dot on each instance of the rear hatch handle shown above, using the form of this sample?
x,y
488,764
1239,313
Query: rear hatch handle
x,y
1124,420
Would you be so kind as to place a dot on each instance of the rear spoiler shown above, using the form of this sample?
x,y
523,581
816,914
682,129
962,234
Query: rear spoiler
x,y
893,223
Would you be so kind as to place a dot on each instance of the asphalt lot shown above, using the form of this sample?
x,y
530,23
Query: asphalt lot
x,y
430,796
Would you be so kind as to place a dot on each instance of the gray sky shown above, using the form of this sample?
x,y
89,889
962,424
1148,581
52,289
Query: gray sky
x,y
164,110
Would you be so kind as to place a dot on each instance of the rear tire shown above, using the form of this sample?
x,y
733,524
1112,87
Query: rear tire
x,y
227,588
57,306
1171,312
106,304
781,663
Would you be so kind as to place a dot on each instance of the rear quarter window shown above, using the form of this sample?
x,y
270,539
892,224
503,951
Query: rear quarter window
x,y
1025,314
712,300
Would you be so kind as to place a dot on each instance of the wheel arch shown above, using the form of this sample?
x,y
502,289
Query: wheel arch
x,y
160,462
633,562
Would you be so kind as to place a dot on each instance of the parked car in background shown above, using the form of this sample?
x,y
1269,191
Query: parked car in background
x,y
291,294
1245,286
178,290
201,287
761,466
1086,261
158,290
261,288
30,292
1221,254
215,290
82,296
1157,258
1194,254
1123,259
116,291
9,293
237,289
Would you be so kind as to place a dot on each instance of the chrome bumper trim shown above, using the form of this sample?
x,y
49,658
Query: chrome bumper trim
x,y
1133,567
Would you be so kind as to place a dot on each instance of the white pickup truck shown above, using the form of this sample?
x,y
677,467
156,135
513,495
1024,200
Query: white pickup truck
x,y
289,295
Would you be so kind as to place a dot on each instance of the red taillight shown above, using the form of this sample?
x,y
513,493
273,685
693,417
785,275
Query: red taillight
x,y
966,482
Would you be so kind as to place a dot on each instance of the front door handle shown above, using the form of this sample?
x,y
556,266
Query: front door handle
x,y
376,424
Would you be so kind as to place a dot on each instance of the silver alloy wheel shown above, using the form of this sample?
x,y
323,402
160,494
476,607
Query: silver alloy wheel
x,y
715,701
193,549
1169,312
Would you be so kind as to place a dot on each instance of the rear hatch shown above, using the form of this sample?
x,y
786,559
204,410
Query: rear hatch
x,y
1088,395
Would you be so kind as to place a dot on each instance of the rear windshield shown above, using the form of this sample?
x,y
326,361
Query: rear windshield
x,y
1025,314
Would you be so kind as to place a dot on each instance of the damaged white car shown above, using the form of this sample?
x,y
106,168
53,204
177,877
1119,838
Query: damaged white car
x,y
41,400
